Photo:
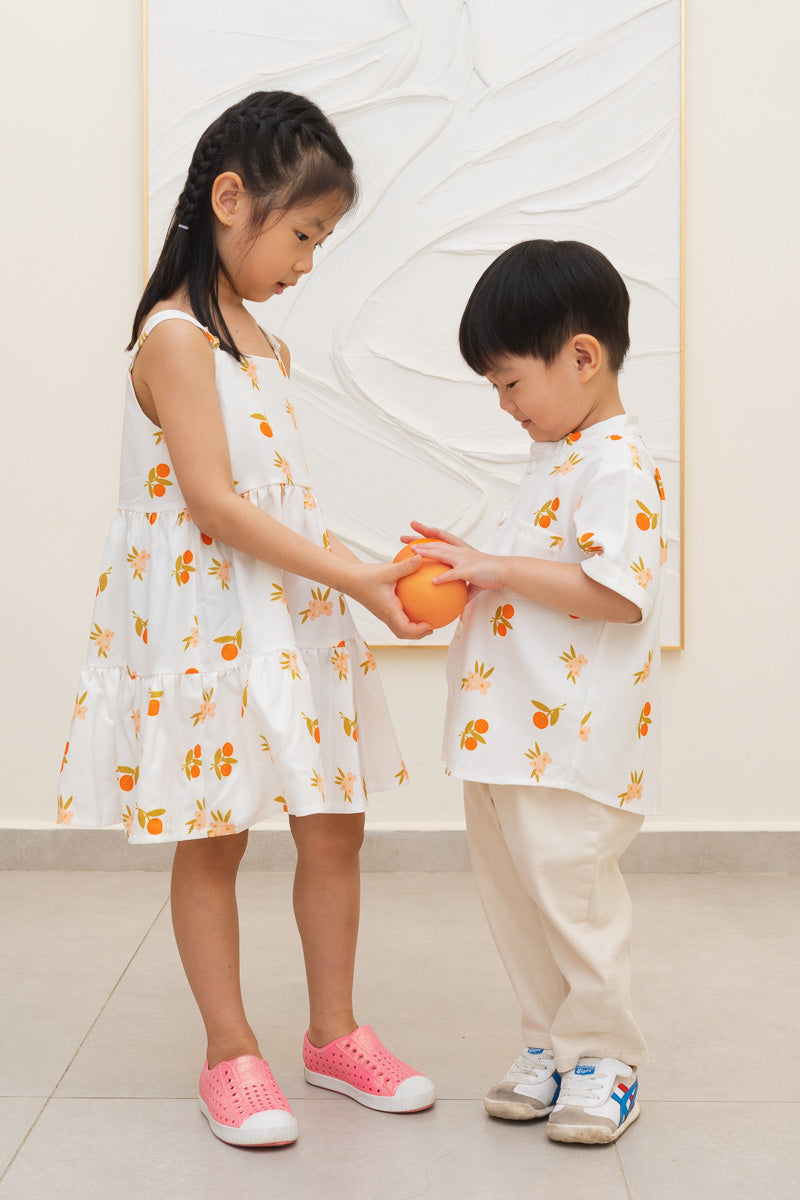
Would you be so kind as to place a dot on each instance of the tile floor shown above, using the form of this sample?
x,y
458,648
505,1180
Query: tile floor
x,y
100,1048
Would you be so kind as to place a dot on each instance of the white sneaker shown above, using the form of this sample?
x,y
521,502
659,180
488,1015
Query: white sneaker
x,y
529,1089
596,1103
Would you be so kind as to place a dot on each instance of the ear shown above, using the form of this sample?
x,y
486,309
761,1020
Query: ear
x,y
587,354
227,193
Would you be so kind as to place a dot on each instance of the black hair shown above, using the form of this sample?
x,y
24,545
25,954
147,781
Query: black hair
x,y
287,153
539,294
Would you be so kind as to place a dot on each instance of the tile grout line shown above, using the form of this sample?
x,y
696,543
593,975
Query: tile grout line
x,y
83,1040
622,1172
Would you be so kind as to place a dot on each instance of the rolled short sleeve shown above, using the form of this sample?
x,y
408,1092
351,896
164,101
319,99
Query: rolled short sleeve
x,y
618,526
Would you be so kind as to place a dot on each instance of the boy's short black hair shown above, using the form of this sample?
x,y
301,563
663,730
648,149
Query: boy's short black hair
x,y
539,294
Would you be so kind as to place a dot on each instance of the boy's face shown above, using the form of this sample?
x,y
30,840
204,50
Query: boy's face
x,y
548,401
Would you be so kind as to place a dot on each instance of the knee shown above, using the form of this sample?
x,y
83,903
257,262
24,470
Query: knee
x,y
328,839
219,855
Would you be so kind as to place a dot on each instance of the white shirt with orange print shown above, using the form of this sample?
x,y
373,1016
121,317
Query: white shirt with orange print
x,y
536,696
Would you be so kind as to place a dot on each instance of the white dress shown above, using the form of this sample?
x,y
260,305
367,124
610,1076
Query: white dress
x,y
219,690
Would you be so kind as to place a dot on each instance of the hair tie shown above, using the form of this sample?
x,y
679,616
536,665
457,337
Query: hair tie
x,y
186,227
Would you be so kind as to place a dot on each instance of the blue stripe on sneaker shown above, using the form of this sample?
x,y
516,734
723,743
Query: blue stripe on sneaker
x,y
625,1098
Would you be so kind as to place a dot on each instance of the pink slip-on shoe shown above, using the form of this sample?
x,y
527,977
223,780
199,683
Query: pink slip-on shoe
x,y
359,1065
244,1105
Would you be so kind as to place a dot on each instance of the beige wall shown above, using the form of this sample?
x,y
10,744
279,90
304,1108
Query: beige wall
x,y
72,204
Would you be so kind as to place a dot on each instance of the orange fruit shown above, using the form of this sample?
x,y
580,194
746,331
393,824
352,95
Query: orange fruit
x,y
184,576
480,725
316,735
194,771
540,720
188,557
544,521
229,651
647,709
159,489
422,599
225,769
508,611
555,505
227,749
152,708
206,540
643,730
191,671
470,743
502,630
265,429
144,636
642,521
126,783
162,470
153,518
155,826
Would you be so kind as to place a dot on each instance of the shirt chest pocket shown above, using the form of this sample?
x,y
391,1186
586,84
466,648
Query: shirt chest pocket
x,y
532,541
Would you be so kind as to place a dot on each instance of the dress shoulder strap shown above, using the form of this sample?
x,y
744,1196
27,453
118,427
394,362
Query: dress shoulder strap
x,y
170,314
276,348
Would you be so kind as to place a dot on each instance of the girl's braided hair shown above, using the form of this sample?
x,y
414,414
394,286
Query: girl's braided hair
x,y
287,154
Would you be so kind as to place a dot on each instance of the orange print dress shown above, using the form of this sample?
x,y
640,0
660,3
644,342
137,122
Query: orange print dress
x,y
219,691
539,697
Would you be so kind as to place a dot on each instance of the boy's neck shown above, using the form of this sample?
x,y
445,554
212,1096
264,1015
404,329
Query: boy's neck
x,y
606,403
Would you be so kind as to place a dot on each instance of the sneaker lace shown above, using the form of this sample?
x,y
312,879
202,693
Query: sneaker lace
x,y
577,1088
526,1069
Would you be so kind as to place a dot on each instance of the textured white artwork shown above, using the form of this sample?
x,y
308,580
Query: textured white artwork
x,y
474,124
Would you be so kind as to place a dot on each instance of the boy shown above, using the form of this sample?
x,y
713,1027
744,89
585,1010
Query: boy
x,y
553,713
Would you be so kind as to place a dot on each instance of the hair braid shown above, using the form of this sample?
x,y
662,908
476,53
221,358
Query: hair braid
x,y
206,156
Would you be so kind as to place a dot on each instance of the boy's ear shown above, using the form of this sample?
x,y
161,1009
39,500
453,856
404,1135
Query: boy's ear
x,y
227,192
587,354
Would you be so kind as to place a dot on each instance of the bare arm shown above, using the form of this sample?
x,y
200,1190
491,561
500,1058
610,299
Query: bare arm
x,y
561,586
174,380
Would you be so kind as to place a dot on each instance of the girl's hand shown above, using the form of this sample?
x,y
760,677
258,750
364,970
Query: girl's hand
x,y
375,589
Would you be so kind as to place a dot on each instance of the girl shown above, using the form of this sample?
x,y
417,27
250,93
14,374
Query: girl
x,y
224,672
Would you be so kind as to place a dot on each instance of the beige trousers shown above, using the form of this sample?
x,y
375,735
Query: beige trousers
x,y
546,863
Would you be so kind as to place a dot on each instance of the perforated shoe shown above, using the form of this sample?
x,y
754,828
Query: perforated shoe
x,y
529,1089
360,1066
596,1103
244,1105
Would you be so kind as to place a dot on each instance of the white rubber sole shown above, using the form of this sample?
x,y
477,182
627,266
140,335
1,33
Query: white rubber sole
x,y
591,1135
515,1110
413,1099
276,1128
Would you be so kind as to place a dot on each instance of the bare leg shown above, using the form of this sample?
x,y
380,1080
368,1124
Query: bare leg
x,y
327,897
205,919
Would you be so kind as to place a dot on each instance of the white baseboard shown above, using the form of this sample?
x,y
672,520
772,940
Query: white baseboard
x,y
684,851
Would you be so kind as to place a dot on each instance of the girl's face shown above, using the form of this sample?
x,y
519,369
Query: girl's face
x,y
280,253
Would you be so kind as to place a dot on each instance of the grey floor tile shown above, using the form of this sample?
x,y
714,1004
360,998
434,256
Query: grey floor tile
x,y
717,974
65,939
17,1115
714,1151
138,1150
428,979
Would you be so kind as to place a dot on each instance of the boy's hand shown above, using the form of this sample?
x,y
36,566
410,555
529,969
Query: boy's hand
x,y
481,571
